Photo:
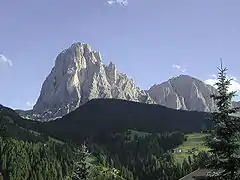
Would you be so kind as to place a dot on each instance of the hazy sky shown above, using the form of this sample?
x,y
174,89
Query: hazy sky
x,y
150,40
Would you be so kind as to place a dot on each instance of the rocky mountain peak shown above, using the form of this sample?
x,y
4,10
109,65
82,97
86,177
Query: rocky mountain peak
x,y
184,92
79,76
111,73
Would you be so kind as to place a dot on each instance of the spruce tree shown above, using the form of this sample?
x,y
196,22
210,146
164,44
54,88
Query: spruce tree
x,y
3,129
80,165
224,138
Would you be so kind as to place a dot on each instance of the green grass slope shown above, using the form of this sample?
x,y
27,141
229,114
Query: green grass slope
x,y
195,142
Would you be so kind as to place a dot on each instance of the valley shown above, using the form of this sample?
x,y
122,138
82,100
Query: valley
x,y
105,127
92,122
119,90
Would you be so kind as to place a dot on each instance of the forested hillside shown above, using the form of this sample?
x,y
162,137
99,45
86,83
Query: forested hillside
x,y
120,146
104,116
27,154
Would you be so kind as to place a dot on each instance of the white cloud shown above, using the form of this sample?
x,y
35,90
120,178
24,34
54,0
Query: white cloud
x,y
214,75
235,83
5,60
119,2
179,68
29,105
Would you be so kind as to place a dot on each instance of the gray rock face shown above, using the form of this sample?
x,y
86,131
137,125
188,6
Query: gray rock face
x,y
184,92
236,103
79,76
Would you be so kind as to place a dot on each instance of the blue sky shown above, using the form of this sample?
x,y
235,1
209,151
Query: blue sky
x,y
150,40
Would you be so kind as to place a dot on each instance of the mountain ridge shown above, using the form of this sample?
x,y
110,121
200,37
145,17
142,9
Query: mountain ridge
x,y
184,92
79,76
118,115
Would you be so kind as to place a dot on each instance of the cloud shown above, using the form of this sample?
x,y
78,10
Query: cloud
x,y
235,83
179,68
119,2
5,60
29,105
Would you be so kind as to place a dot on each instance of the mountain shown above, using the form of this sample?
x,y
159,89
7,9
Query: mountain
x,y
236,103
105,116
184,92
100,118
115,116
79,76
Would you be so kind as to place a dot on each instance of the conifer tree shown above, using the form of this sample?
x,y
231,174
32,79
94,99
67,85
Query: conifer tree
x,y
224,138
80,166
3,129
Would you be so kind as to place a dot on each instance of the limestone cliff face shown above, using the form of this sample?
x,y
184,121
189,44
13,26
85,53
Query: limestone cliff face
x,y
236,103
79,76
184,92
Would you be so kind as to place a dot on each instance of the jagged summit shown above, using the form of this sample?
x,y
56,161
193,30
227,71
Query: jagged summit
x,y
79,76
